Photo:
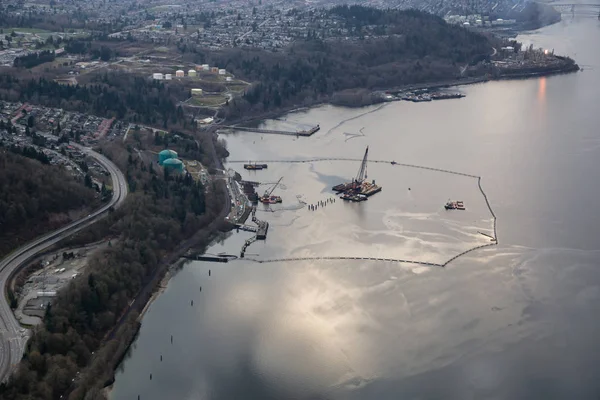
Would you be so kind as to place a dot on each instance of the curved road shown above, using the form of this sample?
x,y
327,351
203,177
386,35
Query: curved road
x,y
12,336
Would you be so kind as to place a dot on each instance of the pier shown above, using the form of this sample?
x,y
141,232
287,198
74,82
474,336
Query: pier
x,y
202,257
261,229
304,133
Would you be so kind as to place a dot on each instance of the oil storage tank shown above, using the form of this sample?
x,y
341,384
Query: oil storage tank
x,y
166,155
173,164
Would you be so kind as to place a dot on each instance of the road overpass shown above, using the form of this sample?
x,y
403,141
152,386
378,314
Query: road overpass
x,y
12,336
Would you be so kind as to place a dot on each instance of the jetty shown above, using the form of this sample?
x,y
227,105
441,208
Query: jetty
x,y
304,133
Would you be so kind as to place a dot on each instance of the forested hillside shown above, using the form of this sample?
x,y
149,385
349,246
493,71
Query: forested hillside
x,y
36,198
161,213
420,48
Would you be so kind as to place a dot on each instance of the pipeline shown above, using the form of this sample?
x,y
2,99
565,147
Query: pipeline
x,y
394,260
489,208
443,265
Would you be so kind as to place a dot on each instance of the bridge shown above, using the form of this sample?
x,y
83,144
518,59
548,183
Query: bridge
x,y
577,8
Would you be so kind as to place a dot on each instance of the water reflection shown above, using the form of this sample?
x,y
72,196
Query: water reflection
x,y
514,321
542,89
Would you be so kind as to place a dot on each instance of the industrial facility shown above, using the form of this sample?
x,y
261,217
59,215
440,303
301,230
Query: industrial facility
x,y
192,73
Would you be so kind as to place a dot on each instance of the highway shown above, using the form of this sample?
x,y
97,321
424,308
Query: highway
x,y
12,336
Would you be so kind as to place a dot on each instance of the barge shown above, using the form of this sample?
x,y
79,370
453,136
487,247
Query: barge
x,y
353,197
254,167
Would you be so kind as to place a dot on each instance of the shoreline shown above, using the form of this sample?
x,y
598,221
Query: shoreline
x,y
378,99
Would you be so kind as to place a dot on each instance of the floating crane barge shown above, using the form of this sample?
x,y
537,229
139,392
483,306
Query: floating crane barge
x,y
359,189
268,197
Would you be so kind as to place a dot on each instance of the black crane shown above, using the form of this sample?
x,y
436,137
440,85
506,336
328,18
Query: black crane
x,y
362,171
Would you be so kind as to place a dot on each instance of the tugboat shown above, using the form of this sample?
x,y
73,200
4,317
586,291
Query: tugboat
x,y
270,199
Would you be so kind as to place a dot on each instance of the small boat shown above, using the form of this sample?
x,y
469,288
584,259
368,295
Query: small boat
x,y
455,205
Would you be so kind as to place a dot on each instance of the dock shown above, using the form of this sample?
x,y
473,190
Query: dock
x,y
304,133
261,232
260,229
211,258
246,228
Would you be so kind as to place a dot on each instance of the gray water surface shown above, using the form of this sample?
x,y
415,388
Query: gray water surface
x,y
513,321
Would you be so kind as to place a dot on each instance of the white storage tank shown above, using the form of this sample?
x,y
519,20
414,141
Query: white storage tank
x,y
192,73
168,77
222,72
157,76
179,73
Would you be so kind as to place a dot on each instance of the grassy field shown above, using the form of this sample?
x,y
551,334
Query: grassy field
x,y
236,87
207,101
7,31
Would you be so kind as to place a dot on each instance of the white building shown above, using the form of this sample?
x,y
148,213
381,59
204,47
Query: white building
x,y
179,73
196,92
157,76
205,67
222,72
168,77
205,121
192,73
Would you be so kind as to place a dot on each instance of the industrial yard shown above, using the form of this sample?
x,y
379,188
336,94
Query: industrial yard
x,y
54,271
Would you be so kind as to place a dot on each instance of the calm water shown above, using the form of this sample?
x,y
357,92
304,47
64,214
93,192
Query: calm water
x,y
515,321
